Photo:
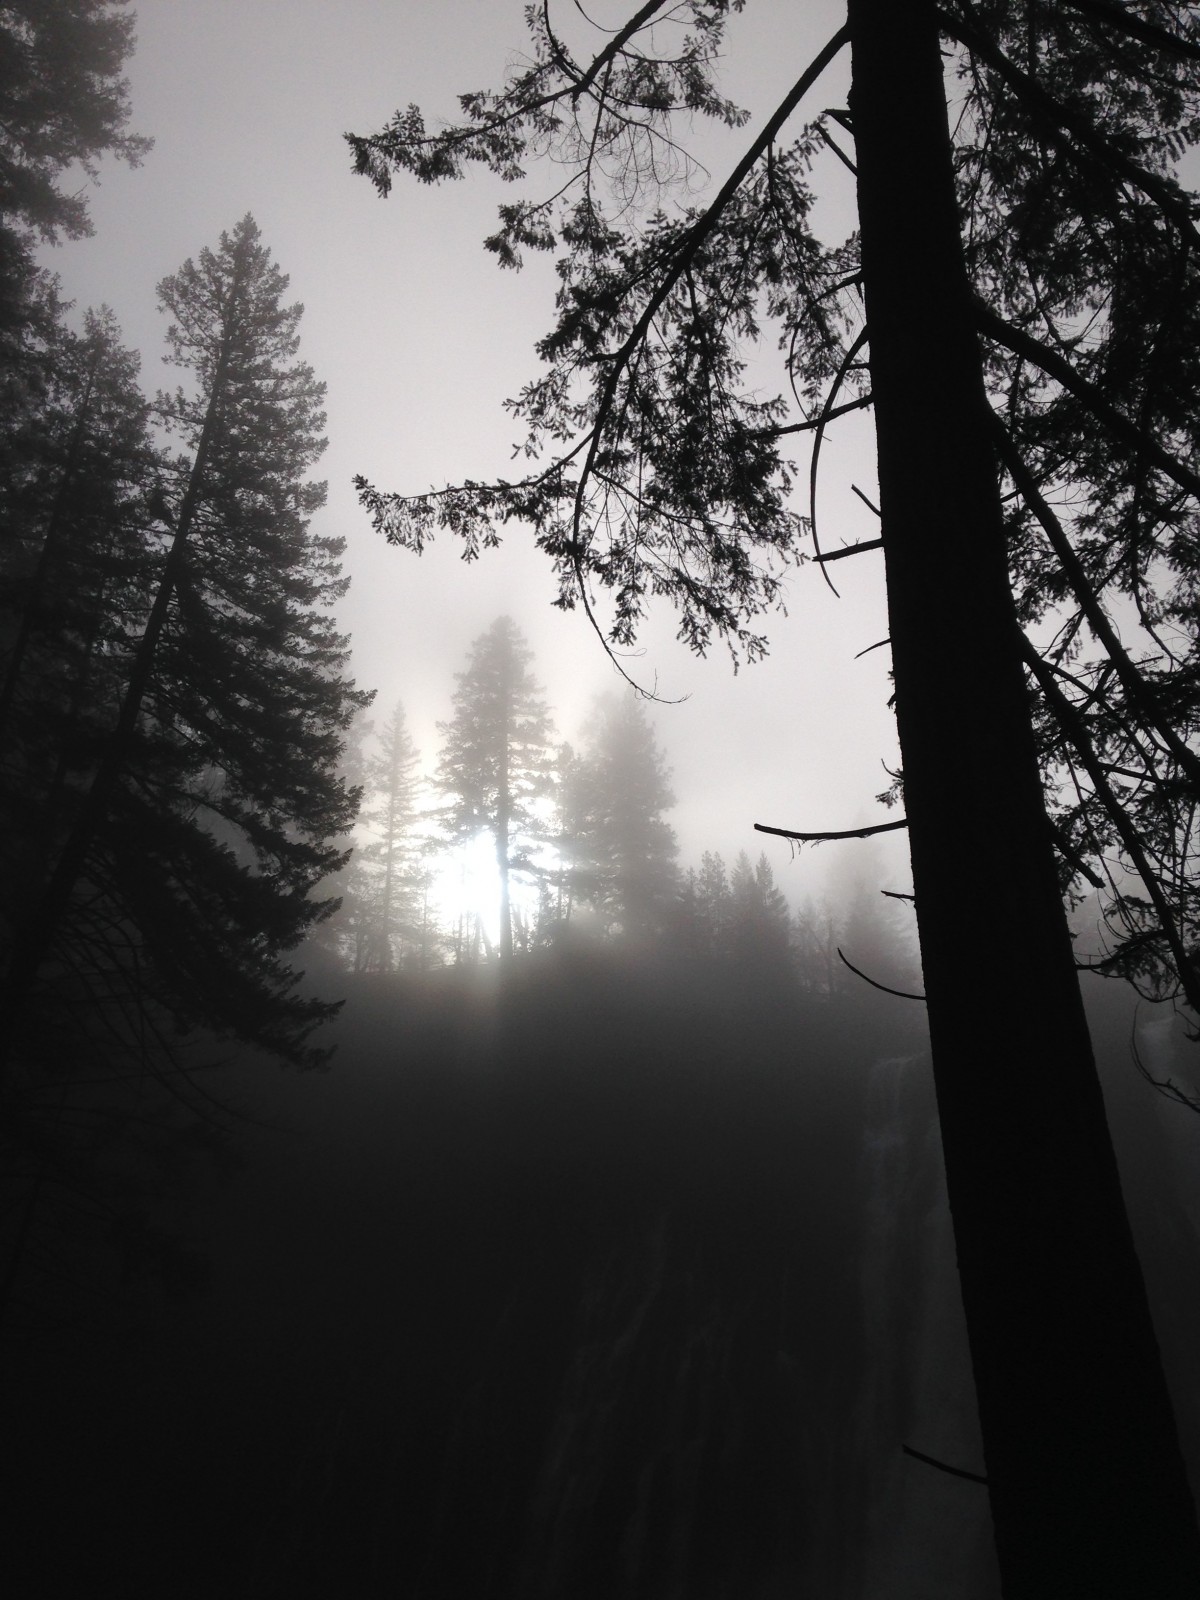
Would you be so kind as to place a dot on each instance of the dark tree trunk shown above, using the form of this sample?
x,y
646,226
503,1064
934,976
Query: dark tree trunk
x,y
1088,1490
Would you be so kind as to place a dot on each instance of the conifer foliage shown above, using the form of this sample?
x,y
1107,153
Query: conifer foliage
x,y
174,691
497,761
391,879
1018,306
621,792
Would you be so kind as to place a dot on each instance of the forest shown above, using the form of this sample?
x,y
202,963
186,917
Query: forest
x,y
419,1175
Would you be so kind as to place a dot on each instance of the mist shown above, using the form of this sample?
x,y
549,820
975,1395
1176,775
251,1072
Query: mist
x,y
448,1149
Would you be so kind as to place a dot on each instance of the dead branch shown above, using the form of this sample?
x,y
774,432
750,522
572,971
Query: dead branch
x,y
900,994
851,550
820,838
943,1466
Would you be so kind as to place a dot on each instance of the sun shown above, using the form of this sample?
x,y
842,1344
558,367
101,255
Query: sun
x,y
464,894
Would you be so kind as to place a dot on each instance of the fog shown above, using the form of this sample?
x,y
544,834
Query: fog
x,y
420,338
616,1278
620,1269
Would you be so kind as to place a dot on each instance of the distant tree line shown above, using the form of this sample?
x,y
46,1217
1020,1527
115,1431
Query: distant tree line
x,y
583,832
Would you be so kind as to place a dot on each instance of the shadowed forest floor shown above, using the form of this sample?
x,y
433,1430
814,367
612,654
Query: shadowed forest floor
x,y
610,1280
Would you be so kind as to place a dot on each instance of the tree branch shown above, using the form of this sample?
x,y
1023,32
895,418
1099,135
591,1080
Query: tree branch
x,y
1050,362
1132,680
943,1466
900,994
853,550
825,417
1073,726
1169,199
696,238
1126,21
847,833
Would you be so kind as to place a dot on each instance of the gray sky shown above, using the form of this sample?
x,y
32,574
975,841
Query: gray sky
x,y
420,337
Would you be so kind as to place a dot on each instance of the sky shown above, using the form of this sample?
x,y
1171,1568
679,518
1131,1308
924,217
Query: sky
x,y
420,337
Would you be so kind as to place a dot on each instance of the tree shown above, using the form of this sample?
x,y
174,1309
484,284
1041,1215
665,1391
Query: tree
x,y
759,921
628,846
497,762
1052,227
393,895
213,805
63,105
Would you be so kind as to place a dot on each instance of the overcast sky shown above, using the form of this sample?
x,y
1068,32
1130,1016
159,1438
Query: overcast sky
x,y
420,337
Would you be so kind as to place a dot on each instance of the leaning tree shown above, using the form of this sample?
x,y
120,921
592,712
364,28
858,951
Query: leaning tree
x,y
1018,308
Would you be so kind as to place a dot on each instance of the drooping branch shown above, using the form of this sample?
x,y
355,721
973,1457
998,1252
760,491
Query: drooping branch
x,y
616,44
696,238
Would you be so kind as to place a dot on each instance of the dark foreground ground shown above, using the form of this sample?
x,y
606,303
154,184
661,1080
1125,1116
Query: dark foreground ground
x,y
613,1282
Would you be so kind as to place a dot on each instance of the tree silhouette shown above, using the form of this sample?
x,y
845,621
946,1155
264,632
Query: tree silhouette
x,y
392,894
759,933
63,105
184,867
628,847
497,761
1041,258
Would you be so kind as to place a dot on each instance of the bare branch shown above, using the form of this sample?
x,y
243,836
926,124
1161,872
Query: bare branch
x,y
819,838
853,550
826,412
900,994
943,1466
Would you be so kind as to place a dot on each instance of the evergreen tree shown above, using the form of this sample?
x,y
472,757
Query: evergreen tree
x,y
63,105
393,895
713,902
759,931
1052,223
628,846
73,501
497,762
213,805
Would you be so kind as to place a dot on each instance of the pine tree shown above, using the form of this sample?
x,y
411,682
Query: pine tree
x,y
759,931
1050,222
497,761
713,902
214,807
628,846
63,105
73,501
393,895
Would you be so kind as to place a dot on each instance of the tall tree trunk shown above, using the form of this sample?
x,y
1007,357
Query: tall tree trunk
x,y
1088,1490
